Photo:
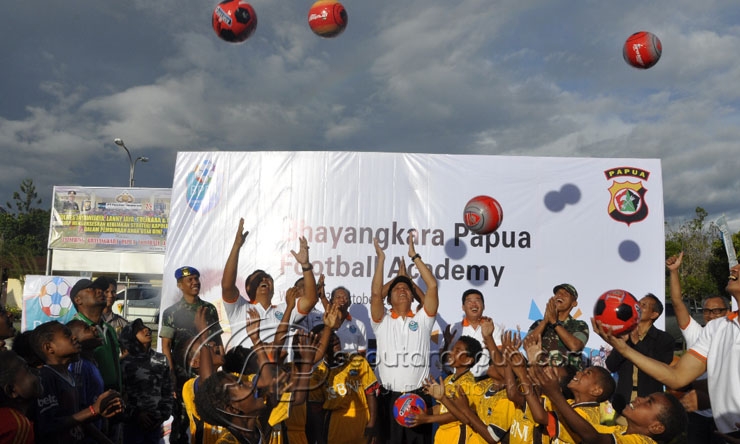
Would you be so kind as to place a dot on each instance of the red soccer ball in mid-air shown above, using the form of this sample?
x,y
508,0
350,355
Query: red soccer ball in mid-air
x,y
234,20
483,215
327,18
406,407
618,311
642,50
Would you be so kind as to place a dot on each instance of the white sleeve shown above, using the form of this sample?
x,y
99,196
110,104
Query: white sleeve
x,y
692,332
362,343
236,311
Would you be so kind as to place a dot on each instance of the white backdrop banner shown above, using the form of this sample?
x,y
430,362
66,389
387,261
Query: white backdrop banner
x,y
594,223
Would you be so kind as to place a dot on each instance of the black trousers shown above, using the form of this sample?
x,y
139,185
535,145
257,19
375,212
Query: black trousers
x,y
393,433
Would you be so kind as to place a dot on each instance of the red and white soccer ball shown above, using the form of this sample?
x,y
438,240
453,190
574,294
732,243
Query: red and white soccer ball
x,y
642,50
406,407
234,20
483,215
327,18
618,311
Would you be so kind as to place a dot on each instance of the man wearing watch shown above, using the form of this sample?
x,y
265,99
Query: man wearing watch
x,y
403,343
259,288
563,337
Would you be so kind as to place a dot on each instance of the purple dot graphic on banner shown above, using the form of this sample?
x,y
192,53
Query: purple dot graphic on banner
x,y
629,251
569,194
455,251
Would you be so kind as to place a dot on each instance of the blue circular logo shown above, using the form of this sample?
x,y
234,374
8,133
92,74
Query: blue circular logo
x,y
413,326
352,329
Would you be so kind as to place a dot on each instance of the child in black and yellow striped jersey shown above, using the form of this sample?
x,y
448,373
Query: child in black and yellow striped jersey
x,y
658,417
461,358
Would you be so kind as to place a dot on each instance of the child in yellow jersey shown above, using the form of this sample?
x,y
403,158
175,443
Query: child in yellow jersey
x,y
233,362
530,419
461,358
315,405
585,391
349,397
590,387
494,409
658,417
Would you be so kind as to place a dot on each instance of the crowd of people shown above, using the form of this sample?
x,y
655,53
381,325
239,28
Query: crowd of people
x,y
298,373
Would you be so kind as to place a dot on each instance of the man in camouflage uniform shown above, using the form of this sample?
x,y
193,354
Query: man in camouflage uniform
x,y
178,322
148,385
563,337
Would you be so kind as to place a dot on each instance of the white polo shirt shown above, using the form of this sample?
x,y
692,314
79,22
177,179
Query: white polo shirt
x,y
403,349
463,328
691,333
352,335
719,347
269,320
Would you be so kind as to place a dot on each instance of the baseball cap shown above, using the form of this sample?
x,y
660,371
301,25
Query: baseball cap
x,y
82,284
185,272
567,287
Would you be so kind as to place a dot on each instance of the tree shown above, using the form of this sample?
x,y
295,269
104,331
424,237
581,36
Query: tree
x,y
719,265
24,234
27,197
695,238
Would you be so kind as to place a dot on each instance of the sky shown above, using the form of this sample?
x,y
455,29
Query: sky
x,y
510,78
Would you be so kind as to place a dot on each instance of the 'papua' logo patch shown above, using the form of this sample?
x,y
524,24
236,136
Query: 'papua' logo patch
x,y
627,199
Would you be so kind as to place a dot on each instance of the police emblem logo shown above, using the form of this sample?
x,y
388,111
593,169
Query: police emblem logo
x,y
352,329
413,326
627,198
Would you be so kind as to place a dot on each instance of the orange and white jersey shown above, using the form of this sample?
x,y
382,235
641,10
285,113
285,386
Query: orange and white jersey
x,y
719,347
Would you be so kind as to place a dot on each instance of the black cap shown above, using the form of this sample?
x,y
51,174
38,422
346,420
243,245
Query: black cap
x,y
99,283
80,285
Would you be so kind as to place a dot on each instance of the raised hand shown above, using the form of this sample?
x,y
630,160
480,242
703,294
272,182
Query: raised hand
x,y
253,322
402,268
448,335
308,344
486,326
618,342
378,251
674,262
412,249
433,388
547,378
551,312
201,324
290,296
320,284
511,342
302,255
533,347
241,235
333,317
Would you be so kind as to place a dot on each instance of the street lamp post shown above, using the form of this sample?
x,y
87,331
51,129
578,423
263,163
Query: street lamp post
x,y
131,161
